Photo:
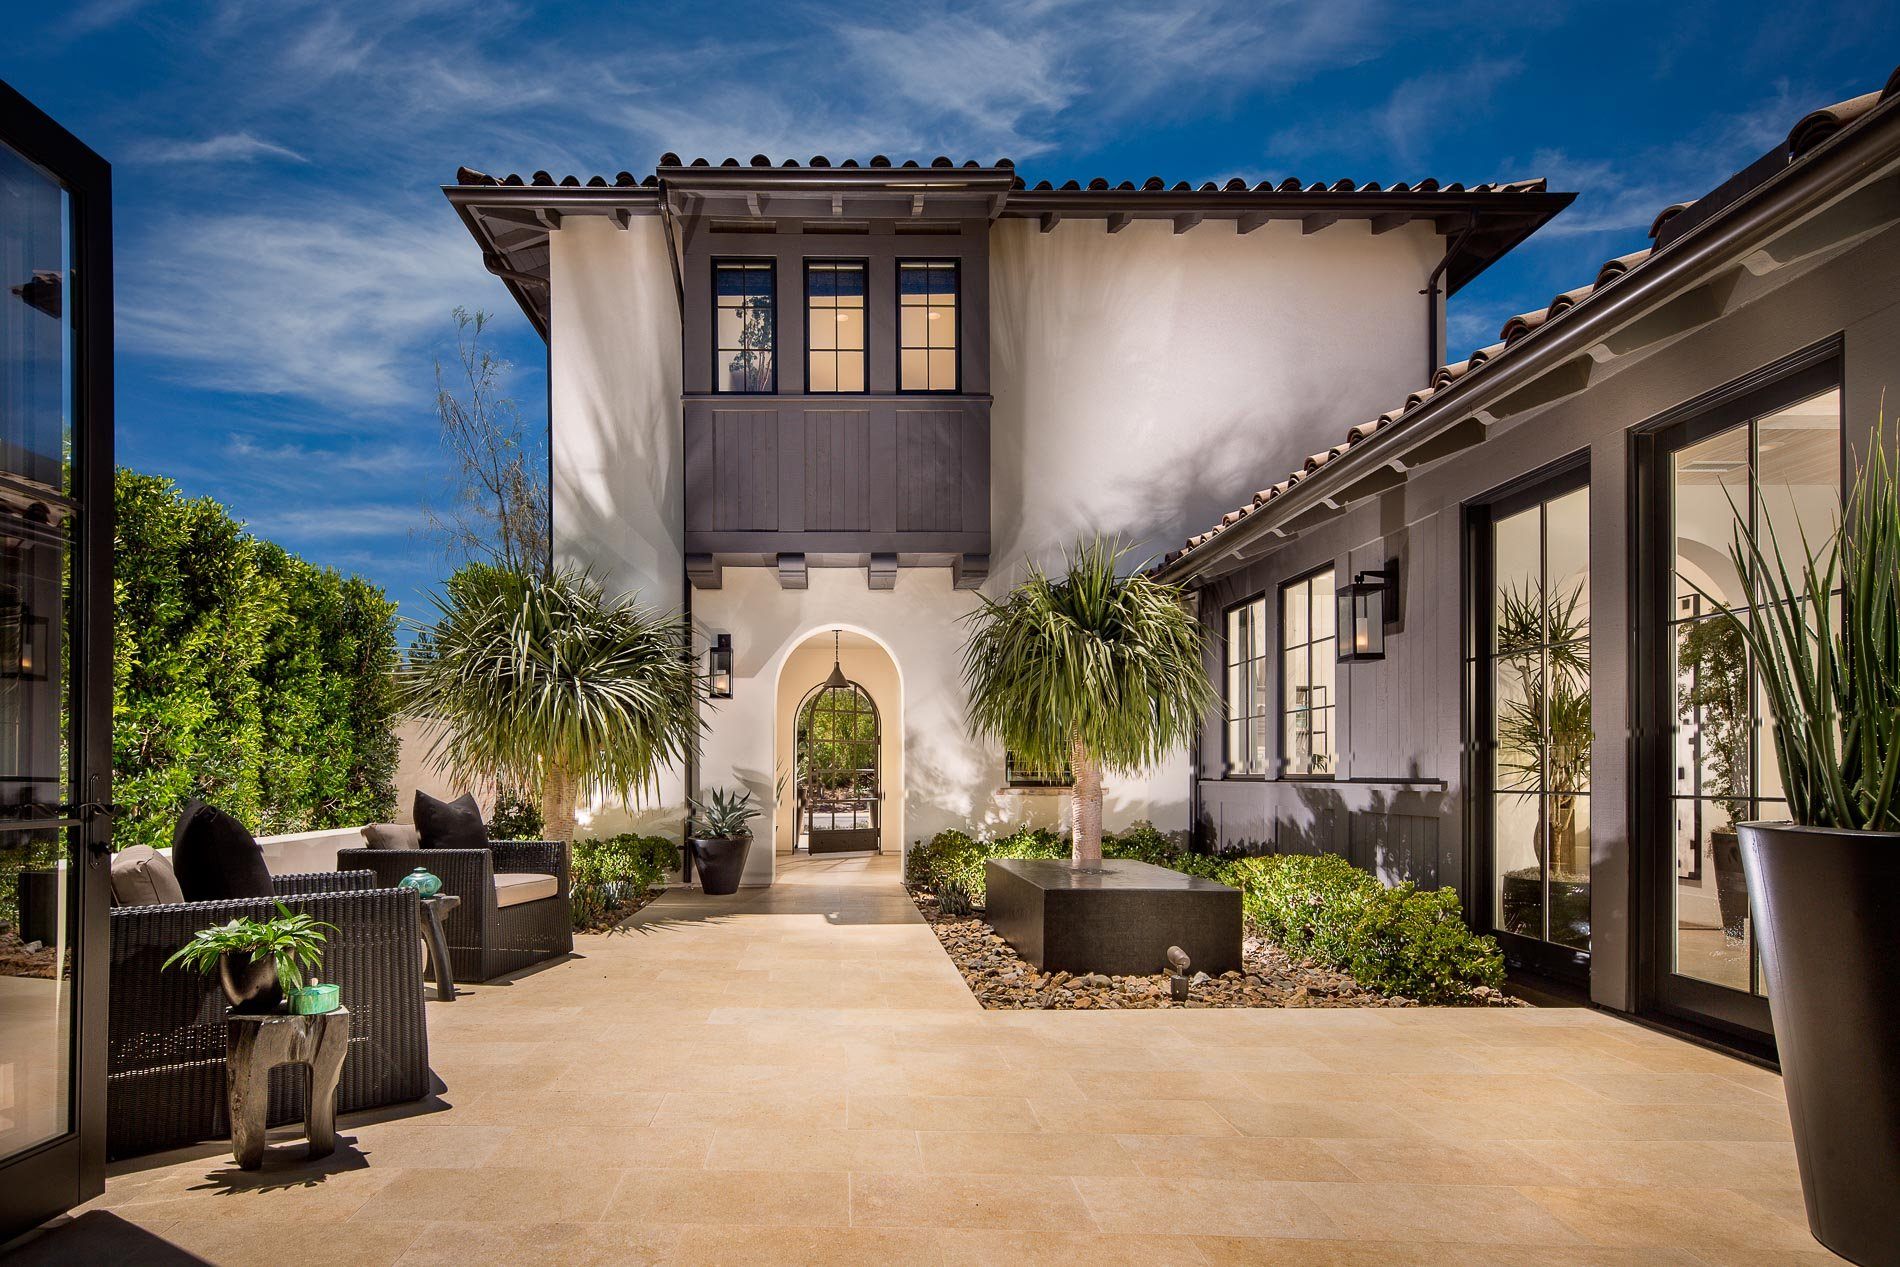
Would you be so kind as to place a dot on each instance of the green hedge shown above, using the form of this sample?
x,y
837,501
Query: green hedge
x,y
607,875
1401,941
242,674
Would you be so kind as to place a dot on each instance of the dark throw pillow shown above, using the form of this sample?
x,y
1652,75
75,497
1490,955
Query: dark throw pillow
x,y
215,857
455,824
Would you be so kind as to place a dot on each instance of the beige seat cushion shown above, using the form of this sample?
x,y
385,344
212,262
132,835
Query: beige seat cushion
x,y
512,888
142,876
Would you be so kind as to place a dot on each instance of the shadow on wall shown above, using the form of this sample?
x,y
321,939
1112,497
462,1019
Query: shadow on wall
x,y
1079,346
1397,833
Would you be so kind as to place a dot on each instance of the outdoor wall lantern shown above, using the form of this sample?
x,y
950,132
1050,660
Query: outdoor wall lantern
x,y
1364,608
719,668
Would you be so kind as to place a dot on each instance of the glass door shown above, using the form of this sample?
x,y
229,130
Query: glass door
x,y
55,443
1773,461
1530,667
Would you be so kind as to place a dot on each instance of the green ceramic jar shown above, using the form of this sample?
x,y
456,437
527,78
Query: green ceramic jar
x,y
423,881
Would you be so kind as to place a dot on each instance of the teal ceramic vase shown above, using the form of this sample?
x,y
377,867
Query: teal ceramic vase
x,y
424,882
314,999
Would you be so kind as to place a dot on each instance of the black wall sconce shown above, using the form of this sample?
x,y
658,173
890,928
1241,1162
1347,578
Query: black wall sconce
x,y
1365,607
719,668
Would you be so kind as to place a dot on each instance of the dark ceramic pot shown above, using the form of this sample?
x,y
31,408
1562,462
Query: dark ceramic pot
x,y
1731,888
1827,918
721,861
250,984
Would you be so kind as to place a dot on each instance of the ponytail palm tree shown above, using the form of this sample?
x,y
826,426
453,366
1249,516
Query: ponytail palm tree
x,y
544,682
1093,670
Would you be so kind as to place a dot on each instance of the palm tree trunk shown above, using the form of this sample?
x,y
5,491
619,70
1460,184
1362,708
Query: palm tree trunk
x,y
558,789
1086,841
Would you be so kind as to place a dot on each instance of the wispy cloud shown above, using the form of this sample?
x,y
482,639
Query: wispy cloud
x,y
326,300
1412,117
231,147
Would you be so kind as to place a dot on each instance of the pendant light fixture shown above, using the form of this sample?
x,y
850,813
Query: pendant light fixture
x,y
837,680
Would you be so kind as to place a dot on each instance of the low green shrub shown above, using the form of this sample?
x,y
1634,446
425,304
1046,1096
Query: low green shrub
x,y
1414,942
1295,900
517,817
1143,842
608,875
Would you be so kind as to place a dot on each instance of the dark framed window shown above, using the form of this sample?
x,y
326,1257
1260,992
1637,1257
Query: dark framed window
x,y
1249,716
745,326
1019,774
836,340
927,349
1529,666
1308,654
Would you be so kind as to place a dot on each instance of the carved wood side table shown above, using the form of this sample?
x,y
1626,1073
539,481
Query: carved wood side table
x,y
256,1044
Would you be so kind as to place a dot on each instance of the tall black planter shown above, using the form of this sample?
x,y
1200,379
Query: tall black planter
x,y
721,861
1827,916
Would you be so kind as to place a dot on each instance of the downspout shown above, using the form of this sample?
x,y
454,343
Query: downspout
x,y
1431,293
691,771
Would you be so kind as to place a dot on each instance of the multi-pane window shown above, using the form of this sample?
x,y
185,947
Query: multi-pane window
x,y
1307,657
745,326
1780,473
1537,675
1249,717
834,325
927,325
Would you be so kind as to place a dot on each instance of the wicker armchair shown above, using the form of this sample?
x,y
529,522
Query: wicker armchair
x,y
165,1081
486,938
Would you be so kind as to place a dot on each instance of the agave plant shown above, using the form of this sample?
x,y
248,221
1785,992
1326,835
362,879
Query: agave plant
x,y
544,682
723,815
1093,670
1831,676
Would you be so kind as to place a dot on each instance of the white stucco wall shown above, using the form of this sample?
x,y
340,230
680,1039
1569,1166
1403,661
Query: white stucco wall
x,y
1140,381
614,418
1145,380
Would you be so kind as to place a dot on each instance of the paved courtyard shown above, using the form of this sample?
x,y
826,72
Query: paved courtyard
x,y
798,1075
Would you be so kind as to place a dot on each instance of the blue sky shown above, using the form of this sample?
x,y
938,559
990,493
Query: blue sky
x,y
287,265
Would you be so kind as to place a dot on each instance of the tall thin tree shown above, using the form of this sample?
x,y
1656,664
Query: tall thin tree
x,y
498,508
1094,669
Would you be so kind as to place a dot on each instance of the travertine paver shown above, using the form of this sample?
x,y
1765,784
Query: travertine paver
x,y
798,1075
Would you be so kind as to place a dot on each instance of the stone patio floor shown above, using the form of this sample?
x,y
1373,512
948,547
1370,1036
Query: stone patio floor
x,y
798,1075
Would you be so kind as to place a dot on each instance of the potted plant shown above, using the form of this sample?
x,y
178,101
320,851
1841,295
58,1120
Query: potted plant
x,y
1711,654
720,835
259,962
1825,887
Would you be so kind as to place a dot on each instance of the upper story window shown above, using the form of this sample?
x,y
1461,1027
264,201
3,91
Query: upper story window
x,y
1307,657
927,325
834,325
745,326
1248,714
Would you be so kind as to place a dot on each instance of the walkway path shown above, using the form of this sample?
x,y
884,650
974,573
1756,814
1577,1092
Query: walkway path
x,y
798,1075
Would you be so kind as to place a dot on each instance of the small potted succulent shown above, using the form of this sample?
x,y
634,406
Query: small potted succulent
x,y
720,835
261,963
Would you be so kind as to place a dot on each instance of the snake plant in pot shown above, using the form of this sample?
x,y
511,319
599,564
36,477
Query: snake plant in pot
x,y
721,837
1825,887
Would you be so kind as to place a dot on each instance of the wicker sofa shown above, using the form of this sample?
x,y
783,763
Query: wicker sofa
x,y
488,934
165,1082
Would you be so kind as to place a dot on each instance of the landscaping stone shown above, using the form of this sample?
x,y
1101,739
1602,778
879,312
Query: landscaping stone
x,y
1269,977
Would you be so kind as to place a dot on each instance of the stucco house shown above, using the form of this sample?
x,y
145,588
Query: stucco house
x,y
1543,716
823,407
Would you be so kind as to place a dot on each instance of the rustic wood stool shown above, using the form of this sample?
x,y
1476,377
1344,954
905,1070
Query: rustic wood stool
x,y
254,1045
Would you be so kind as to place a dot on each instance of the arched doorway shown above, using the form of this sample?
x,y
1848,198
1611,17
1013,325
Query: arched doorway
x,y
840,767
840,762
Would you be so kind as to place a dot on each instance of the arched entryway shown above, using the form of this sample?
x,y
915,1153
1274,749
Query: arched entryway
x,y
839,745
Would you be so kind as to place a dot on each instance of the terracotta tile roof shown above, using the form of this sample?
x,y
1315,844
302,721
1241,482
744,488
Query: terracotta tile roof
x,y
468,176
1808,133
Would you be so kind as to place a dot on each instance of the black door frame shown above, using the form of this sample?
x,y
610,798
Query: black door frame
x,y
1728,1015
55,1176
1566,475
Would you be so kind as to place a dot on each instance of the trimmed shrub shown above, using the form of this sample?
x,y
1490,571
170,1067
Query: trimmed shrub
x,y
242,674
1143,843
1414,942
1295,900
608,875
517,816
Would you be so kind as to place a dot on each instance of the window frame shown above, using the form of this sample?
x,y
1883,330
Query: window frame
x,y
955,263
1284,773
771,265
1017,780
863,266
1228,770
